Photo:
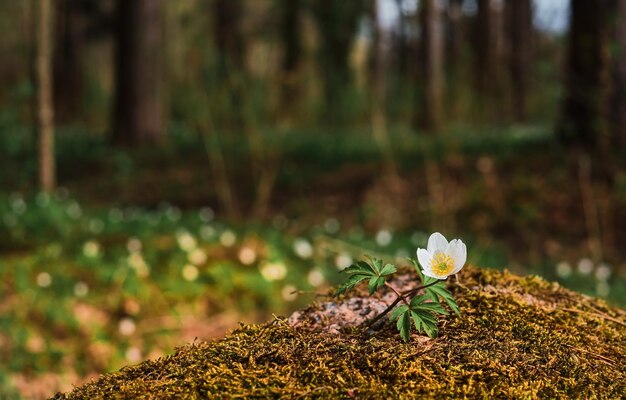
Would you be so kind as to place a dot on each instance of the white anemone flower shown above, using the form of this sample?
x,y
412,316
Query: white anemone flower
x,y
441,259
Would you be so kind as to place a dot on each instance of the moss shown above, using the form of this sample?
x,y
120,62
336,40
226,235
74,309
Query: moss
x,y
517,337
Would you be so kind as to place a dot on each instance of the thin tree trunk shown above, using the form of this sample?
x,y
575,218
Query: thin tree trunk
x,y
484,55
520,35
453,56
292,54
582,121
618,76
432,58
138,110
68,72
46,111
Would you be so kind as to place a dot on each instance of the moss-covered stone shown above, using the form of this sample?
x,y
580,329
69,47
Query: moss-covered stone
x,y
517,337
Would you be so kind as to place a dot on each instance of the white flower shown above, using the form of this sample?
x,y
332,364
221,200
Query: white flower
x,y
441,259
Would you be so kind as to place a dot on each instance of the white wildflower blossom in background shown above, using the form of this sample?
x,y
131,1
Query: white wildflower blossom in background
x,y
273,271
441,259
126,326
563,269
190,272
315,277
197,257
44,279
384,238
603,272
81,289
342,261
133,354
91,249
133,245
332,226
247,255
289,293
186,241
302,248
228,238
585,266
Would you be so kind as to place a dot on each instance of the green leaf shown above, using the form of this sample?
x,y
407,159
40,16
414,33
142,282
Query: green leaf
x,y
396,312
417,321
372,285
426,316
435,307
430,329
417,300
388,270
377,265
404,326
350,283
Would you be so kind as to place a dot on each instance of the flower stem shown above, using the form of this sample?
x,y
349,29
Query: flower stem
x,y
401,297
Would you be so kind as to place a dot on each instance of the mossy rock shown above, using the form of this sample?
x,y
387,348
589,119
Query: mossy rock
x,y
517,337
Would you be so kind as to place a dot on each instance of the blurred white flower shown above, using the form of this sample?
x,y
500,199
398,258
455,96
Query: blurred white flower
x,y
563,269
126,326
81,289
186,241
136,262
42,199
383,237
206,214
133,354
441,259
18,205
74,211
247,255
289,293
585,266
190,272
603,289
133,245
44,279
173,214
96,226
91,249
275,271
603,272
197,257
302,248
228,238
331,225
315,277
342,261
207,232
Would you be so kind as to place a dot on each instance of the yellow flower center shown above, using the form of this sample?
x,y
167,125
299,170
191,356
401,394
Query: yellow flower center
x,y
442,264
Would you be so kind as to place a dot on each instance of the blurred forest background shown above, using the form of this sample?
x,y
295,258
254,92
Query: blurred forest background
x,y
169,168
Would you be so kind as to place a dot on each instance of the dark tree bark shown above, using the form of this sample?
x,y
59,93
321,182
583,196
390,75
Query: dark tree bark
x,y
292,52
584,107
138,111
432,64
485,52
68,55
520,36
454,54
618,76
337,22
227,32
44,97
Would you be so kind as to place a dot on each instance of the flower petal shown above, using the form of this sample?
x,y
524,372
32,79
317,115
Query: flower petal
x,y
425,259
431,274
437,243
458,251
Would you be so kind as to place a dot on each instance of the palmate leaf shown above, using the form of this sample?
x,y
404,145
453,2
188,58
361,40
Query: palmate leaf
x,y
375,283
398,311
351,282
388,270
404,325
437,291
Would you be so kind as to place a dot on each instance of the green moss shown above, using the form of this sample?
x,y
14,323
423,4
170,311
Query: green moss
x,y
517,337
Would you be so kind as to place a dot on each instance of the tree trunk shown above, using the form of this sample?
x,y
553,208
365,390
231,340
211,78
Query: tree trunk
x,y
138,113
432,58
618,77
454,55
292,53
520,35
68,71
484,55
584,106
337,22
45,103
227,32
